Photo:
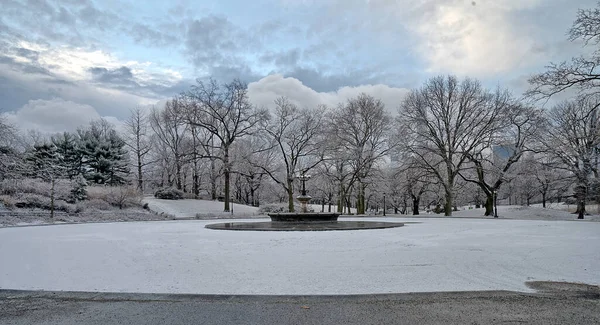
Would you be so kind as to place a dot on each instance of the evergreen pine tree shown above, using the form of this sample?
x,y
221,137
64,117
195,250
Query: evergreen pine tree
x,y
79,191
67,147
103,154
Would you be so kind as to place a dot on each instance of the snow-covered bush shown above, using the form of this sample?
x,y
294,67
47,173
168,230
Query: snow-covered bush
x,y
15,187
118,196
78,189
32,201
96,204
124,196
168,193
36,201
273,208
7,201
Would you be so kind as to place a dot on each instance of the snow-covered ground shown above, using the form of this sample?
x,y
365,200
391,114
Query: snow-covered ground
x,y
189,208
182,256
525,213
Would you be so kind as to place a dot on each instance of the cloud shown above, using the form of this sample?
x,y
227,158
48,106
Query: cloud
x,y
51,116
120,75
264,91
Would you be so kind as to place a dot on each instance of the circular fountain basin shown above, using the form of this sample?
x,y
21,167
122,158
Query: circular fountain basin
x,y
304,226
304,216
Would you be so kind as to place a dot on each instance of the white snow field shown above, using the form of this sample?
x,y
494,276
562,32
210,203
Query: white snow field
x,y
184,257
189,208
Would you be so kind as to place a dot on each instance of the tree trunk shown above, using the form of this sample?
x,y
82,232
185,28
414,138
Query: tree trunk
x,y
489,205
341,200
448,204
360,198
52,198
580,209
178,174
349,207
415,205
227,180
140,175
213,179
544,199
290,195
449,189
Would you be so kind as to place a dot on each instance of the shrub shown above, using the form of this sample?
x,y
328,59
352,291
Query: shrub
x,y
33,201
124,196
62,188
273,208
7,201
96,204
168,193
61,205
118,196
78,189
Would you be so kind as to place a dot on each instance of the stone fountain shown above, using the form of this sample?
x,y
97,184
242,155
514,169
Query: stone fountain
x,y
305,215
305,220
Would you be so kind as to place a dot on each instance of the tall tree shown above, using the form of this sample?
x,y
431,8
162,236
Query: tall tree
x,y
295,135
67,146
46,163
104,156
138,141
360,128
225,111
448,120
169,126
520,126
572,137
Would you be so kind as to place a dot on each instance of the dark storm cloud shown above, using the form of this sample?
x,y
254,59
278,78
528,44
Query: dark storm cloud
x,y
32,67
120,75
213,40
322,82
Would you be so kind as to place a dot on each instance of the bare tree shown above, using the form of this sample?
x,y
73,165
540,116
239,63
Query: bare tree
x,y
295,136
251,154
581,74
514,138
445,122
169,126
361,129
572,137
225,111
137,139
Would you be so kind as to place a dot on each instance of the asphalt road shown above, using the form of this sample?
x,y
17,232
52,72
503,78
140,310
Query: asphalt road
x,y
555,303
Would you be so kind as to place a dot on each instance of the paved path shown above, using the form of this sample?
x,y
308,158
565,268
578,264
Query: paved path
x,y
562,305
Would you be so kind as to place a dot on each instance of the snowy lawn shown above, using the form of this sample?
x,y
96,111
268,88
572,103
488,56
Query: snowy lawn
x,y
517,212
181,209
184,257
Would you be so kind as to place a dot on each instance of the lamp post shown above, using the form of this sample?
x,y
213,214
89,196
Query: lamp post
x,y
384,204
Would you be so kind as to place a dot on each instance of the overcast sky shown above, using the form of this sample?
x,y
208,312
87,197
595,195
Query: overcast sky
x,y
65,62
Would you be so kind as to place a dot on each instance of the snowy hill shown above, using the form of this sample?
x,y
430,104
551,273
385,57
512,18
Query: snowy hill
x,y
184,209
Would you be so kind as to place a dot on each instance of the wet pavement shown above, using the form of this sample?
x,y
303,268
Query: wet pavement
x,y
555,303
